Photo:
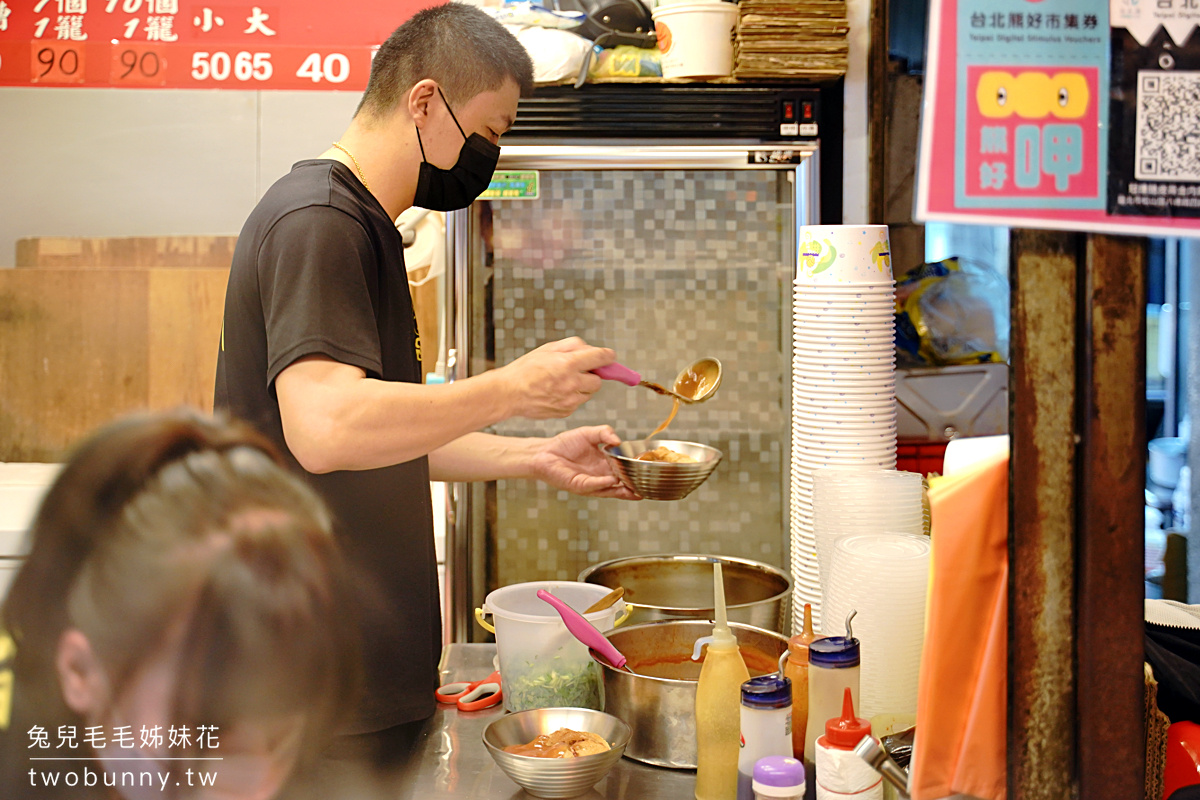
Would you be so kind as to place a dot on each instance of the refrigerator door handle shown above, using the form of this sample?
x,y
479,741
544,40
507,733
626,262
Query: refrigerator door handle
x,y
454,348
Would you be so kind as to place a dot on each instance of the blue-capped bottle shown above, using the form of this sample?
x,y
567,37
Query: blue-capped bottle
x,y
766,726
832,668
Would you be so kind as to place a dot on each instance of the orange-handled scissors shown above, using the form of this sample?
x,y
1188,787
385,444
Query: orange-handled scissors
x,y
472,696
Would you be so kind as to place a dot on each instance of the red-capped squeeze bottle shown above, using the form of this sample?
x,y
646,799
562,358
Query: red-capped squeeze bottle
x,y
841,774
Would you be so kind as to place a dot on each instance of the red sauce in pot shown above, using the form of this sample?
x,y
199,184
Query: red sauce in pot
x,y
681,667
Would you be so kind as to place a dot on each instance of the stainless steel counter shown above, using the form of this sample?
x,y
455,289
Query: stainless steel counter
x,y
450,761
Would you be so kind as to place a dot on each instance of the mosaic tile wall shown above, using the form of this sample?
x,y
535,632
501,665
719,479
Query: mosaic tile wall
x,y
664,267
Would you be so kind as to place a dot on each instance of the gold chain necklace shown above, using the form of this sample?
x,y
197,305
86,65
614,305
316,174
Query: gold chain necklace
x,y
338,145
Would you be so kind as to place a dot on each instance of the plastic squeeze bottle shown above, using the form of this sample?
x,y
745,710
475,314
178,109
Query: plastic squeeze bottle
x,y
795,669
718,705
766,726
841,774
832,668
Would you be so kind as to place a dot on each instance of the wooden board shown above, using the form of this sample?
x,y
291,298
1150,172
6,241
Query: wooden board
x,y
126,251
185,312
79,347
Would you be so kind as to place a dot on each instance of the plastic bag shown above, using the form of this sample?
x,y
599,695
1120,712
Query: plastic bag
x,y
952,312
557,55
526,13
1172,648
626,61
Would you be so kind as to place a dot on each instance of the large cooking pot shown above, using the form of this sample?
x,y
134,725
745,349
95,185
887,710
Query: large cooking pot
x,y
659,703
676,586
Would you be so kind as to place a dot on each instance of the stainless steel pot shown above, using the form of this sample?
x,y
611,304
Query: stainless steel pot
x,y
659,703
676,586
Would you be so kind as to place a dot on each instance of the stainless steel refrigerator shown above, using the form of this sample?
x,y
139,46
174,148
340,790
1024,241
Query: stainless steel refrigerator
x,y
665,249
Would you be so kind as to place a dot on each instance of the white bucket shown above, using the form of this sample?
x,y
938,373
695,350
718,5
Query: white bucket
x,y
541,663
696,39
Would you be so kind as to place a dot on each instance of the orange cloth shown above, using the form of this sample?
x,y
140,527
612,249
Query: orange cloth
x,y
962,691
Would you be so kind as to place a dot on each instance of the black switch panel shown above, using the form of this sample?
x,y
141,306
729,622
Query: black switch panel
x,y
797,113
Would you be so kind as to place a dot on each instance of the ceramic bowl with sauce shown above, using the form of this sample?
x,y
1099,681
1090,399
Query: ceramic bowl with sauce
x,y
555,777
662,480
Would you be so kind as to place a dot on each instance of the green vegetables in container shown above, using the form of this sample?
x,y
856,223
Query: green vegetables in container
x,y
541,686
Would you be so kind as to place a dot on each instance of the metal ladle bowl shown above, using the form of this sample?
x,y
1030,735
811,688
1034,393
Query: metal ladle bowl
x,y
695,383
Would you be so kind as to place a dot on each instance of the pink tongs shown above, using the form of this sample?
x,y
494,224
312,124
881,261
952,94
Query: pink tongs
x,y
585,631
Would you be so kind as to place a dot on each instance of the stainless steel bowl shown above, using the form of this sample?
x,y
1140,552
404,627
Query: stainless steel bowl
x,y
555,777
658,480
660,702
679,586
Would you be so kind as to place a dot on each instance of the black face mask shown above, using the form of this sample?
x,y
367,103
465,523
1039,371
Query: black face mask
x,y
451,189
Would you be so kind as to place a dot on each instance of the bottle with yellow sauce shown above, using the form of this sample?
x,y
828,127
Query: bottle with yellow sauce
x,y
718,706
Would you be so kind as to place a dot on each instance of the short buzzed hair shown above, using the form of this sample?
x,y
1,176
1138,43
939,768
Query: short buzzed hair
x,y
457,45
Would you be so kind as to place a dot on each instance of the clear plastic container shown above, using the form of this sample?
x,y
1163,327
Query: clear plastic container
x,y
541,664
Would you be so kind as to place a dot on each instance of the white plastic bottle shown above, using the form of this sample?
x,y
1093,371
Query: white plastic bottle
x,y
766,726
832,668
841,774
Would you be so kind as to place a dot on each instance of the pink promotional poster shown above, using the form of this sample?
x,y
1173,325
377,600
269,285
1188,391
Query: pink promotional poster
x,y
1063,114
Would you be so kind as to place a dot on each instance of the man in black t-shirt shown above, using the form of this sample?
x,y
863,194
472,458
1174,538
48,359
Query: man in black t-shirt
x,y
319,347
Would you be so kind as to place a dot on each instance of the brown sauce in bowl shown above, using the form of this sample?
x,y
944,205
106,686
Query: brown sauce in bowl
x,y
563,743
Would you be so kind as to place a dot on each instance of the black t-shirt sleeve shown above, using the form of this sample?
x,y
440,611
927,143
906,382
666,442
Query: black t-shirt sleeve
x,y
313,273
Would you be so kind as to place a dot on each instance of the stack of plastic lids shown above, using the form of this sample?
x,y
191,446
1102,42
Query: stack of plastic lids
x,y
850,500
884,577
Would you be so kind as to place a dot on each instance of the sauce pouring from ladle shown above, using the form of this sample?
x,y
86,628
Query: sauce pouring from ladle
x,y
694,384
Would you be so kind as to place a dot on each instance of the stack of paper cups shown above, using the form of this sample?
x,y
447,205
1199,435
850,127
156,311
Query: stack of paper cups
x,y
843,377
883,577
850,500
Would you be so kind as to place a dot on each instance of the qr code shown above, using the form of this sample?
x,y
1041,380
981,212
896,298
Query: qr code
x,y
1167,147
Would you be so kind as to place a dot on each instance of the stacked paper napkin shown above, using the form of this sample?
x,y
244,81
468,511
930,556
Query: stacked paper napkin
x,y
791,39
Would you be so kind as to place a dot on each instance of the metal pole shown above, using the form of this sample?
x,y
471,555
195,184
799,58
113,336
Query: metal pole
x,y
1109,548
1041,638
1190,338
457,625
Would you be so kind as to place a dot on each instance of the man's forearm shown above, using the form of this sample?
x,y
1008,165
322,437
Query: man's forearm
x,y
483,457
340,424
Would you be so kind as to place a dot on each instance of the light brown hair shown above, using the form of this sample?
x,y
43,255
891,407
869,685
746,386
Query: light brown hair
x,y
169,518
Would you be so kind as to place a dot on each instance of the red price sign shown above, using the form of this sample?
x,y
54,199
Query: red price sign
x,y
273,67
56,62
133,65
14,63
138,64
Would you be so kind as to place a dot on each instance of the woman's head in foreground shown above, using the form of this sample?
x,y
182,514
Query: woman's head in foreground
x,y
180,576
